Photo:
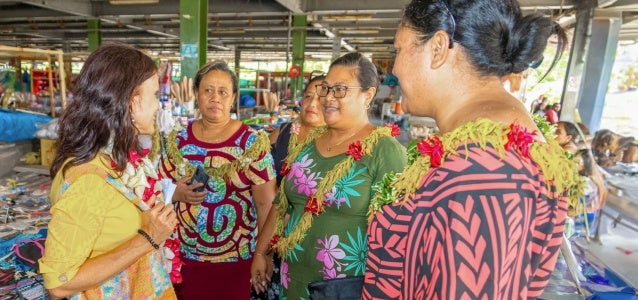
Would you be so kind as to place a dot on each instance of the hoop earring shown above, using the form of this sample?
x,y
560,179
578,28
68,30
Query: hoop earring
x,y
367,106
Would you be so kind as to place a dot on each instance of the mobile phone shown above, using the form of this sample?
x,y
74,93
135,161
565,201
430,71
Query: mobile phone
x,y
199,176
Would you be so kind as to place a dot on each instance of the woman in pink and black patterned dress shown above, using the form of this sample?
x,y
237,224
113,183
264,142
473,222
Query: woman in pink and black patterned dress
x,y
479,212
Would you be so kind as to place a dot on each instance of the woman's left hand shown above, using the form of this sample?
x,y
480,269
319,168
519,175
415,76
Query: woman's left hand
x,y
260,272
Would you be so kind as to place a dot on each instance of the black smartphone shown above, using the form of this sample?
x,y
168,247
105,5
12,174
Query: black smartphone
x,y
199,176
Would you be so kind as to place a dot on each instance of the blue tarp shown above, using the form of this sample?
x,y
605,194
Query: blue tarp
x,y
18,126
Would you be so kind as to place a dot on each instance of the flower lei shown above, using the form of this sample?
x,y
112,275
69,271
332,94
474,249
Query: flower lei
x,y
140,176
316,202
431,152
224,171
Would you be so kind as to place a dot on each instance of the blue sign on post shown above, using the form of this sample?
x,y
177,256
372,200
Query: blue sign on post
x,y
189,50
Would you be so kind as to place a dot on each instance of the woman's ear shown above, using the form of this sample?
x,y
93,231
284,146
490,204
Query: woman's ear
x,y
370,94
439,48
136,99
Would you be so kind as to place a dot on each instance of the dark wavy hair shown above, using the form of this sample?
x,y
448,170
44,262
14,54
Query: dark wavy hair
x,y
572,130
215,66
496,37
366,71
315,78
101,107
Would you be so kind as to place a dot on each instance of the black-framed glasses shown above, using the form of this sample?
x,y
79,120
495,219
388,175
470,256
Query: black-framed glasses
x,y
338,91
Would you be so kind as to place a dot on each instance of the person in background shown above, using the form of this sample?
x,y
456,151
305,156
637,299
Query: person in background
x,y
286,137
104,234
321,214
568,137
218,226
539,105
479,211
289,134
551,114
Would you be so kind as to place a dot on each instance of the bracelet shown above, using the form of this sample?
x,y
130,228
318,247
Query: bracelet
x,y
148,238
257,253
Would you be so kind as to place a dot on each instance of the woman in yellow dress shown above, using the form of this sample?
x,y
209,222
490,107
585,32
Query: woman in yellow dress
x,y
108,217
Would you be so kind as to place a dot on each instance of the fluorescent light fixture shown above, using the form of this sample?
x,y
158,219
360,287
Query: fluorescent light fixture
x,y
347,17
359,31
118,2
365,41
321,56
227,31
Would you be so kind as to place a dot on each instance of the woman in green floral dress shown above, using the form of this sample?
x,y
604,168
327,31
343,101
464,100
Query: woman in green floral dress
x,y
328,184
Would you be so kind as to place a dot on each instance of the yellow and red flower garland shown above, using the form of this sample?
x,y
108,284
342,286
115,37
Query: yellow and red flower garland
x,y
316,202
432,151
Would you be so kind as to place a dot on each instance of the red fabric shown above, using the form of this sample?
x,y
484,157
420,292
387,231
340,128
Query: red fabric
x,y
551,116
203,280
478,228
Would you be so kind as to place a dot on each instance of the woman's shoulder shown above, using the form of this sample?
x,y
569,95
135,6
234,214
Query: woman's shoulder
x,y
88,178
389,146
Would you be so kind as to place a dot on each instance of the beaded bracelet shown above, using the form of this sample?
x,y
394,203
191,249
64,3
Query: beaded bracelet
x,y
148,238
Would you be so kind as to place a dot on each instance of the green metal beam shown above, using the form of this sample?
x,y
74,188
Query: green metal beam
x,y
193,29
94,33
298,50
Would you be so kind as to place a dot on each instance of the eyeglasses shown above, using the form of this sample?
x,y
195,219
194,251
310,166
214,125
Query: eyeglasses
x,y
449,11
338,91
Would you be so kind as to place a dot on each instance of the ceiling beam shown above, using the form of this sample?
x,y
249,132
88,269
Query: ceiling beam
x,y
293,6
74,7
547,4
624,5
354,6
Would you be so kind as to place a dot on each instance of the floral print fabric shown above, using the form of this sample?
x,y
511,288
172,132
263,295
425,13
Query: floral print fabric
x,y
336,244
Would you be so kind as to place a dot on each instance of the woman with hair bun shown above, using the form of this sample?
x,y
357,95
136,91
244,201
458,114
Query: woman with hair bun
x,y
479,211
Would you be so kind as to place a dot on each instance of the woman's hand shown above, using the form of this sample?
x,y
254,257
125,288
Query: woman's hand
x,y
184,192
261,272
159,222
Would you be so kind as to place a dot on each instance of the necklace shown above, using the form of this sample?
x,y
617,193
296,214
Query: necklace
x,y
203,131
315,203
241,162
347,138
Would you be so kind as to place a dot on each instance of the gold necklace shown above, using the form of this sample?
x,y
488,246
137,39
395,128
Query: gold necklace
x,y
347,138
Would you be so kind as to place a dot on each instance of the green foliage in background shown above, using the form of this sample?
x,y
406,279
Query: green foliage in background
x,y
552,84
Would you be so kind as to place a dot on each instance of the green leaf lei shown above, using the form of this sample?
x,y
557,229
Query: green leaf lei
x,y
556,167
261,145
285,244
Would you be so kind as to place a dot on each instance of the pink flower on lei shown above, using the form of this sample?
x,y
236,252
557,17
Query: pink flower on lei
x,y
432,147
396,131
355,150
520,139
176,263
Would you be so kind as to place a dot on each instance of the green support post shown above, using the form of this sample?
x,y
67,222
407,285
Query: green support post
x,y
299,23
237,69
95,33
193,30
